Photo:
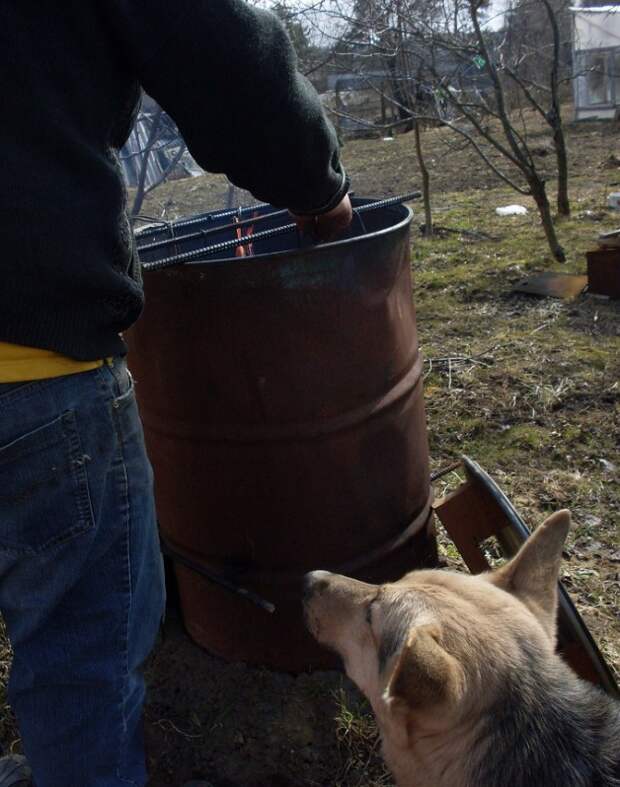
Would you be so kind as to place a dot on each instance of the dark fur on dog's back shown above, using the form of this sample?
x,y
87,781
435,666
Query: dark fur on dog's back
x,y
548,729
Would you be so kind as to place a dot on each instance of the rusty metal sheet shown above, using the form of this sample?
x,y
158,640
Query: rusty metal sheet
x,y
477,510
553,285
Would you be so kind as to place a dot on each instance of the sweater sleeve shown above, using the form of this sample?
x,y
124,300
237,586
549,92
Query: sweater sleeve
x,y
226,73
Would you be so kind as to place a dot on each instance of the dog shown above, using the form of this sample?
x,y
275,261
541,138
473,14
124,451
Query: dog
x,y
462,674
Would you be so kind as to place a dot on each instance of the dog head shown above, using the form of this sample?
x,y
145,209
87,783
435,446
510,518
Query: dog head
x,y
430,649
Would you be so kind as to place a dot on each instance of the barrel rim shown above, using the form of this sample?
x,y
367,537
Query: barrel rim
x,y
288,253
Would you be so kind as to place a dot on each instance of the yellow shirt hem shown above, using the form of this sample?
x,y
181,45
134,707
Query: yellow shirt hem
x,y
24,364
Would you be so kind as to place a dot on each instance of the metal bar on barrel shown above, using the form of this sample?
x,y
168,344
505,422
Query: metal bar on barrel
x,y
224,246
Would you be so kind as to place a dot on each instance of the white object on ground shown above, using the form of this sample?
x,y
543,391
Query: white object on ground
x,y
511,210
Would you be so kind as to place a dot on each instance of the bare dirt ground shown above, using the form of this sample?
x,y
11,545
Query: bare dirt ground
x,y
528,387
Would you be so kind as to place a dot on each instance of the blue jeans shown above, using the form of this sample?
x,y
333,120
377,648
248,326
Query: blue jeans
x,y
81,575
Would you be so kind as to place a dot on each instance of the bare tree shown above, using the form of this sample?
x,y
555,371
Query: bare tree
x,y
506,137
453,54
538,38
426,182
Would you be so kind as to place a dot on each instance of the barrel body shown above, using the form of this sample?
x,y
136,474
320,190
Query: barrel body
x,y
282,403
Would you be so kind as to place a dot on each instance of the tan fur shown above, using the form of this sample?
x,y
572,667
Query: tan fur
x,y
424,675
532,574
433,651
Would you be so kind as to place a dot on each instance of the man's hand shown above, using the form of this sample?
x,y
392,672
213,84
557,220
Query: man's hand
x,y
327,226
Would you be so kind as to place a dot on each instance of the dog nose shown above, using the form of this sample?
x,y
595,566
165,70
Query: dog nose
x,y
314,582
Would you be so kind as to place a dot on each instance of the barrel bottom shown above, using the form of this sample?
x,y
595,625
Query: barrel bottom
x,y
232,628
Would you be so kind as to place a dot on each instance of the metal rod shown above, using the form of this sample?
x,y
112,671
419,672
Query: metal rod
x,y
228,245
445,470
167,225
214,230
217,579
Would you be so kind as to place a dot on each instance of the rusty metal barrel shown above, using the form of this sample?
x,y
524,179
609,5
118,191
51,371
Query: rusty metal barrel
x,y
281,396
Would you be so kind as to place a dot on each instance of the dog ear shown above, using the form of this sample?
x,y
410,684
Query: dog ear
x,y
532,574
425,674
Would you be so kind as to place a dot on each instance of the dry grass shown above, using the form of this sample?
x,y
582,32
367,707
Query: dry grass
x,y
359,744
9,736
538,407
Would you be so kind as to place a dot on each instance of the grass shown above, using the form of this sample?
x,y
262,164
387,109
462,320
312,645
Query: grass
x,y
538,404
9,736
358,742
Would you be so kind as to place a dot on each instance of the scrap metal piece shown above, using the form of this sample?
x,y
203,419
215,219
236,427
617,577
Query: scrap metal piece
x,y
478,510
604,271
609,240
553,285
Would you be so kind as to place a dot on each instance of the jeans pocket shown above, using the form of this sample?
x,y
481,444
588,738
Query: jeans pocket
x,y
126,391
44,495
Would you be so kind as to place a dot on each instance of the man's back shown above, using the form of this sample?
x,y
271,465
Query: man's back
x,y
67,104
70,75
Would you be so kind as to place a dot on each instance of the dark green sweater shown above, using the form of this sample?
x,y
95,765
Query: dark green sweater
x,y
69,76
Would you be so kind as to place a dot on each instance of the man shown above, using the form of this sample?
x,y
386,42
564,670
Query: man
x,y
81,587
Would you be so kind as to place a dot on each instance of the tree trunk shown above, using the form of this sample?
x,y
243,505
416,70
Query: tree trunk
x,y
540,196
562,162
554,117
426,183
400,96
